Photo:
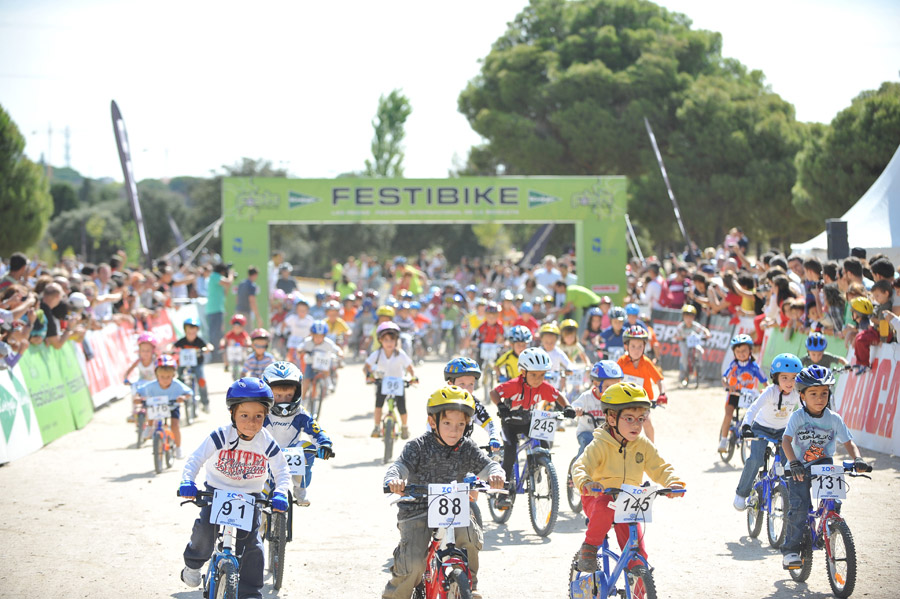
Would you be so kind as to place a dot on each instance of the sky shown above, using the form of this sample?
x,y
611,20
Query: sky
x,y
202,84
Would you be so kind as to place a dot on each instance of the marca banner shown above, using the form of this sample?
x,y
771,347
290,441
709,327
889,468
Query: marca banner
x,y
58,392
110,351
20,434
665,322
868,402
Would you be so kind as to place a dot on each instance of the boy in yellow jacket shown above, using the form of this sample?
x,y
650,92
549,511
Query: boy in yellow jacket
x,y
619,454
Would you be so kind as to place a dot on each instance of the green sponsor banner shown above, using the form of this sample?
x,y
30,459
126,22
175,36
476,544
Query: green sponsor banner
x,y
595,205
776,343
77,391
19,430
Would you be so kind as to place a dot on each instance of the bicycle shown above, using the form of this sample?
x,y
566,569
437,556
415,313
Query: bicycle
x,y
573,495
235,356
157,411
746,398
142,427
638,580
575,381
488,354
223,574
827,529
534,474
391,388
769,493
694,356
187,359
447,573
448,337
321,365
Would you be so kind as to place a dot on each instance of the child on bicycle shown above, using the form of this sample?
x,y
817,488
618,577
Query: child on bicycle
x,y
382,315
146,365
338,329
237,457
516,398
568,342
507,365
810,438
490,331
260,359
687,327
612,337
638,369
192,341
526,319
442,455
593,326
559,361
618,454
287,420
236,336
816,354
588,406
464,373
166,385
388,361
319,344
768,416
742,373
297,326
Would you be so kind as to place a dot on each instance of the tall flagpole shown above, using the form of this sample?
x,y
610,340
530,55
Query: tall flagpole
x,y
662,168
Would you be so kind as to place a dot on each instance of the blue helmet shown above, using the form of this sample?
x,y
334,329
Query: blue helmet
x,y
813,376
191,322
519,333
741,339
319,327
249,389
595,311
786,363
415,305
321,294
457,297
606,369
458,367
632,309
471,289
526,308
816,342
301,300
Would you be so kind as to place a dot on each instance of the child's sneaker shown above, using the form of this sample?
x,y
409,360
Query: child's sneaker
x,y
404,432
300,496
191,577
376,432
723,444
740,503
791,561
587,558
179,454
130,418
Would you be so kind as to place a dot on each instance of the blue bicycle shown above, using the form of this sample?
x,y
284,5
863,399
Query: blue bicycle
x,y
223,575
770,494
604,582
535,475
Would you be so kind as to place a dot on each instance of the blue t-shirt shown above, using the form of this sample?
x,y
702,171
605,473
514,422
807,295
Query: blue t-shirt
x,y
611,339
816,438
153,389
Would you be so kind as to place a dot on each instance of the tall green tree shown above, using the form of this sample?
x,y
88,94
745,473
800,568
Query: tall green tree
x,y
838,163
25,201
387,144
65,197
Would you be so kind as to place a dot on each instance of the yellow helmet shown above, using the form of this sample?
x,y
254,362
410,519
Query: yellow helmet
x,y
549,327
624,395
568,323
689,309
386,311
451,397
863,305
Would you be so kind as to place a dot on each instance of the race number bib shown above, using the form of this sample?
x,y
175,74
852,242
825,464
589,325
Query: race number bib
x,y
392,385
296,460
489,351
448,505
321,361
830,484
157,408
747,397
694,340
630,378
615,353
235,353
446,324
188,357
232,509
543,425
634,504
368,327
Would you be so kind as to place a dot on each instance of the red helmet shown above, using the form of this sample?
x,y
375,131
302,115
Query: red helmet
x,y
166,361
239,319
259,334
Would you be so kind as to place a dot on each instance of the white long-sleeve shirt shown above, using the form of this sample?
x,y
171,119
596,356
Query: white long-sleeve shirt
x,y
239,465
592,407
766,412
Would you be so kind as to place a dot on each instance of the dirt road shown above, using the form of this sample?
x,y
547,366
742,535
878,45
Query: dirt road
x,y
86,516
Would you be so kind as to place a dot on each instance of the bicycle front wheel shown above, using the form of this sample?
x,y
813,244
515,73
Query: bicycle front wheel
x,y
777,511
640,583
840,558
158,451
745,450
572,493
141,422
543,496
459,585
226,580
388,427
277,542
755,513
497,515
806,555
729,453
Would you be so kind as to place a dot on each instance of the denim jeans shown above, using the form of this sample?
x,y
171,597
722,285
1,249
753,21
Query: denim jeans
x,y
584,438
756,458
799,504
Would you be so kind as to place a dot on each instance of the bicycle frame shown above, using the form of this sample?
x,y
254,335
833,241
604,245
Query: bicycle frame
x,y
442,554
767,483
602,584
224,552
530,447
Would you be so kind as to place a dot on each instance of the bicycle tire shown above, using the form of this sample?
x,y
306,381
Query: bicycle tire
x,y
572,494
235,371
141,421
321,389
543,470
169,453
158,452
696,370
745,450
642,585
459,585
806,554
226,580
842,583
419,591
278,541
488,380
476,513
186,415
497,515
729,452
388,427
755,513
778,505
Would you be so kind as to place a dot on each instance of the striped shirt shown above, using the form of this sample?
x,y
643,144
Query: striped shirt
x,y
254,366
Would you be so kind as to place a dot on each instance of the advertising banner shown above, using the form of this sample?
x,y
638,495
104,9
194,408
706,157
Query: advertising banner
x,y
77,391
21,433
743,327
180,312
776,342
40,371
665,322
112,351
868,402
160,324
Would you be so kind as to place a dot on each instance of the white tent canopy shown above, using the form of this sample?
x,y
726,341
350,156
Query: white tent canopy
x,y
873,222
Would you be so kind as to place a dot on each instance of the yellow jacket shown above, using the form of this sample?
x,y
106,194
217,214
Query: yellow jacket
x,y
602,462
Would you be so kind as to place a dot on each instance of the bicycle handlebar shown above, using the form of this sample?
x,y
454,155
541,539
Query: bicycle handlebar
x,y
420,491
198,499
763,438
613,492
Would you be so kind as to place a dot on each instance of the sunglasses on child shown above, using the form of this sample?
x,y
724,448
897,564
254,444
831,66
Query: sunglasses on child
x,y
261,345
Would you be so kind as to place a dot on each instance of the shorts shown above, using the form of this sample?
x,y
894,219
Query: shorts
x,y
175,412
309,373
733,400
379,400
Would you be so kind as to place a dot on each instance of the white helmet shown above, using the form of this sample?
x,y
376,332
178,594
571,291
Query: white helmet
x,y
534,359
